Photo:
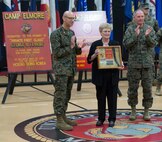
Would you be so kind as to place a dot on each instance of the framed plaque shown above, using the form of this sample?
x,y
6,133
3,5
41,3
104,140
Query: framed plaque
x,y
109,57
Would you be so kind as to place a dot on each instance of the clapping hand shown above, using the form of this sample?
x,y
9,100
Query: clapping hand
x,y
82,44
148,31
137,30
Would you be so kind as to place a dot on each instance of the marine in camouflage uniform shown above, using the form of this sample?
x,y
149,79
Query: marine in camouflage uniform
x,y
139,46
64,66
154,24
159,77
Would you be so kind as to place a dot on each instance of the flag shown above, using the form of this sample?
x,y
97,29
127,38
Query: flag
x,y
14,5
24,5
19,5
33,5
1,34
152,12
98,4
1,25
128,11
91,6
7,5
108,11
72,6
55,16
45,7
136,4
152,1
159,12
58,23
82,5
159,19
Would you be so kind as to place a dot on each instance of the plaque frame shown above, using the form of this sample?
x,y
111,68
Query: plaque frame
x,y
109,57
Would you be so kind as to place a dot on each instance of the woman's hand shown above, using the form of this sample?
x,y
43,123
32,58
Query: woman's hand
x,y
122,66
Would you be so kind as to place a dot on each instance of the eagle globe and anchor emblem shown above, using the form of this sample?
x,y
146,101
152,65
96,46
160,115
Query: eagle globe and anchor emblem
x,y
43,128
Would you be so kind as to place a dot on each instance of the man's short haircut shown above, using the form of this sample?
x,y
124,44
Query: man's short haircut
x,y
135,12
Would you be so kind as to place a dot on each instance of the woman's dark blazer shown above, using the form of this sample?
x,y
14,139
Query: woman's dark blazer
x,y
98,74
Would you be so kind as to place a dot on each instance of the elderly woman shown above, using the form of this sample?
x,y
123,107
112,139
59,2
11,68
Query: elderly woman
x,y
105,80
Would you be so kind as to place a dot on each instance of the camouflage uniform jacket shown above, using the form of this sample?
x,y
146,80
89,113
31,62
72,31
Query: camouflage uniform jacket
x,y
152,22
139,47
159,40
63,57
159,37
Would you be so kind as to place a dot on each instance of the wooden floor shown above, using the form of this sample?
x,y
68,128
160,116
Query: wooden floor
x,y
34,101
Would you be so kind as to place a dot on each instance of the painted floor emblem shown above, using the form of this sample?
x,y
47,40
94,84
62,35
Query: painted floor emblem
x,y
42,129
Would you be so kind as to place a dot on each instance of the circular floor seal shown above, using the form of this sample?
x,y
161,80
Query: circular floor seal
x,y
42,129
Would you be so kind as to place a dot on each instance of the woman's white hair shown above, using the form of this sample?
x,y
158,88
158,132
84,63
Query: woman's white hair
x,y
105,26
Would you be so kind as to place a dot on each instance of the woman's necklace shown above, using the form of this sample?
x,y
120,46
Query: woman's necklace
x,y
105,43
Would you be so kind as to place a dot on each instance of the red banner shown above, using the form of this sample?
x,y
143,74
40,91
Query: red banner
x,y
86,27
27,41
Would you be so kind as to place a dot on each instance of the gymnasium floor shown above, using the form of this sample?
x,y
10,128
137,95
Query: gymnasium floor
x,y
35,101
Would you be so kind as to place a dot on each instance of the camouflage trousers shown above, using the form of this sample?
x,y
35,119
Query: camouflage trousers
x,y
62,94
159,76
153,72
153,66
134,77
